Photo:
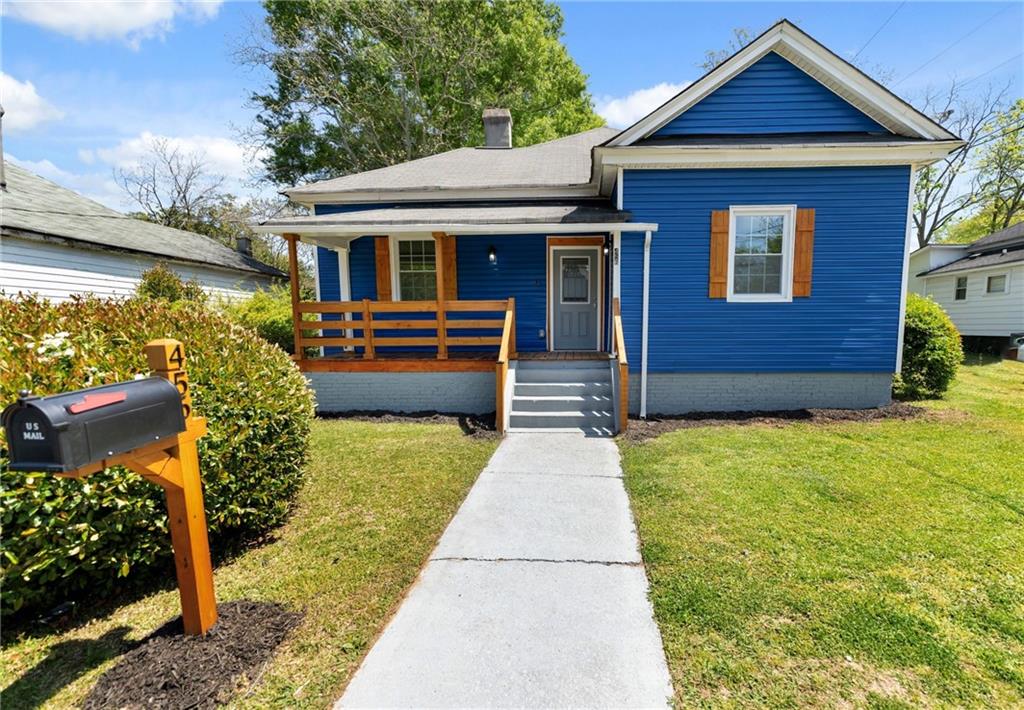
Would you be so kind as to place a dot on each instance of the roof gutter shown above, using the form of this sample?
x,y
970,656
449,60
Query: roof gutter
x,y
359,230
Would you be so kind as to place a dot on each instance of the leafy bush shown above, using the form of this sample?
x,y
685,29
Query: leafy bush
x,y
160,282
931,350
269,313
61,536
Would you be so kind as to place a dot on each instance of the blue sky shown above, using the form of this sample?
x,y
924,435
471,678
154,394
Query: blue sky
x,y
86,86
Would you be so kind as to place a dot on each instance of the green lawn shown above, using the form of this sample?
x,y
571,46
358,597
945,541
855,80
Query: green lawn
x,y
874,564
377,498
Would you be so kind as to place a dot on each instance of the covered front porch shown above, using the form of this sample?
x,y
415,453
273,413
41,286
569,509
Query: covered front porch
x,y
485,294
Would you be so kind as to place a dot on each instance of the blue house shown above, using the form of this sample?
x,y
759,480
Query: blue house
x,y
744,246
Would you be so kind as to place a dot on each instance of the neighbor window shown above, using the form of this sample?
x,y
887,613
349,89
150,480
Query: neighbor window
x,y
961,289
761,253
417,270
996,284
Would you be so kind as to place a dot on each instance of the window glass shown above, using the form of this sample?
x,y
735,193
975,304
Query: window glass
x,y
757,266
961,289
575,279
417,270
997,284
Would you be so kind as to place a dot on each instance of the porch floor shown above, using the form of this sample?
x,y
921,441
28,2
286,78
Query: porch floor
x,y
458,361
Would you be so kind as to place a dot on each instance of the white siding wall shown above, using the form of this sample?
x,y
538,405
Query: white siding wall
x,y
982,313
57,272
931,258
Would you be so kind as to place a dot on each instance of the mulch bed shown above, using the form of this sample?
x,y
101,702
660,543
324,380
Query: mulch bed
x,y
478,426
171,670
644,429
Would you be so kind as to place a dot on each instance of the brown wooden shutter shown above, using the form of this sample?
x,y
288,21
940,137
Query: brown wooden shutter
x,y
803,254
451,284
383,264
719,268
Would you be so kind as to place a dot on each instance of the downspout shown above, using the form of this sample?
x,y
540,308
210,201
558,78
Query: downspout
x,y
907,242
643,341
3,170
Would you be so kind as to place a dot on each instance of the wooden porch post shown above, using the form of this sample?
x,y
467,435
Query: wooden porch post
x,y
293,278
442,330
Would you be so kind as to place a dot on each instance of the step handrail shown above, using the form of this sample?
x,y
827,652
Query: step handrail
x,y
506,352
620,356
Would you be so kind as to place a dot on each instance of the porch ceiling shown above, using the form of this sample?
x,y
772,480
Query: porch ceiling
x,y
462,219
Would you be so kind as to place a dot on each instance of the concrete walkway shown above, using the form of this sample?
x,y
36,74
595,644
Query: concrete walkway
x,y
534,597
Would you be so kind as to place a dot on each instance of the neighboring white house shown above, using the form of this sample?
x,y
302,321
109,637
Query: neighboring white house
x,y
981,285
56,243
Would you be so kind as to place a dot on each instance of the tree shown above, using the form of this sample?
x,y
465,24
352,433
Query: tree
x,y
947,190
177,189
363,84
741,37
170,187
1001,169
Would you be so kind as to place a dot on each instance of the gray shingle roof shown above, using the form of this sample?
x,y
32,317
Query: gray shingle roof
x,y
1001,238
35,206
561,162
473,213
978,262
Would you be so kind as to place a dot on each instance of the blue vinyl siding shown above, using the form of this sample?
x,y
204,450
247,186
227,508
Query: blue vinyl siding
x,y
770,96
519,272
848,324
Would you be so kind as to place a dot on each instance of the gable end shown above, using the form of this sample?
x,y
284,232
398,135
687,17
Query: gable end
x,y
771,96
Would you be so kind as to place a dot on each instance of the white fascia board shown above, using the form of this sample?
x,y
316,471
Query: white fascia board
x,y
310,198
895,153
1009,266
790,42
316,233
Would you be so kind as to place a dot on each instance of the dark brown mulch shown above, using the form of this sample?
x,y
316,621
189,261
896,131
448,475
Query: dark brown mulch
x,y
171,670
644,429
478,426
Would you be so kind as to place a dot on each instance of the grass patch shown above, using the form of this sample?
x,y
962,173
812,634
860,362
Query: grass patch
x,y
376,498
874,563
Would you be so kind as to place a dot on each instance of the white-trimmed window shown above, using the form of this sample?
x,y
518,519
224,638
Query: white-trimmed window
x,y
761,240
960,292
996,284
415,269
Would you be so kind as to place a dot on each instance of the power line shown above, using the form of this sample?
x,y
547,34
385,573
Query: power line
x,y
881,27
997,66
953,44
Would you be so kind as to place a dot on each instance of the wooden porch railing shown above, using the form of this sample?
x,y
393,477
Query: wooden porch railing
x,y
429,324
506,352
620,356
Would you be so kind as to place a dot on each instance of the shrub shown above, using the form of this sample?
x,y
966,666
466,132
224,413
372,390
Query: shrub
x,y
269,313
931,350
160,282
62,536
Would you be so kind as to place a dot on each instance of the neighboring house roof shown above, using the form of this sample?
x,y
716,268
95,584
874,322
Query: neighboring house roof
x,y
1002,238
1003,247
796,46
564,162
34,207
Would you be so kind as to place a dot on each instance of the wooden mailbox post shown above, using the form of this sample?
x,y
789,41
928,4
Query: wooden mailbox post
x,y
173,464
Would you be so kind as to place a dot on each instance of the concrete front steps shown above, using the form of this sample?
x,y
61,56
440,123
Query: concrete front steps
x,y
563,395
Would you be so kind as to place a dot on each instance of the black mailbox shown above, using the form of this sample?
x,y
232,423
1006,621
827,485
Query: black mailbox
x,y
64,432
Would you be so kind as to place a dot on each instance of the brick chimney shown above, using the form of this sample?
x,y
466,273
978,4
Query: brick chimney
x,y
497,128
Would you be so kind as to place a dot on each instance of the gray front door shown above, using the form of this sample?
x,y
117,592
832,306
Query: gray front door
x,y
575,312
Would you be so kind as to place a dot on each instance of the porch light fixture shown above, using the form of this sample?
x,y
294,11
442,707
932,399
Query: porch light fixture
x,y
492,254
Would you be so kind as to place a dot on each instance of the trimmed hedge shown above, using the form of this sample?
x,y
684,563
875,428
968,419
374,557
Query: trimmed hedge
x,y
62,536
932,351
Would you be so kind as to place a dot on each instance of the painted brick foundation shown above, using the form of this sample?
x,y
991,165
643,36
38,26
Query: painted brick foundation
x,y
452,392
677,393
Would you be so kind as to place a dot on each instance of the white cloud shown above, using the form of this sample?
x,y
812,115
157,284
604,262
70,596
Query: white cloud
x,y
222,156
24,108
129,20
623,111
